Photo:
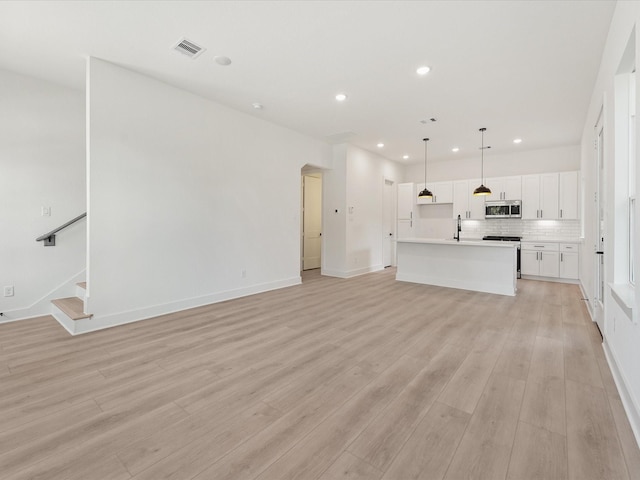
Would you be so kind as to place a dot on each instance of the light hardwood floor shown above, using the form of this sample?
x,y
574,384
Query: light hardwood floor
x,y
366,378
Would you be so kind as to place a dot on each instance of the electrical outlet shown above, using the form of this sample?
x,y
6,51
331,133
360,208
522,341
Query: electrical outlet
x,y
243,273
8,291
46,211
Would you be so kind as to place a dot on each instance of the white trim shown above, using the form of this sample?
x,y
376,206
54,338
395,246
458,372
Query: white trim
x,y
42,306
586,297
351,273
630,404
551,279
624,295
65,321
99,323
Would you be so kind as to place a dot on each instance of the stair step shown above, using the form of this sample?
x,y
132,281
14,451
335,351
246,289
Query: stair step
x,y
82,285
73,307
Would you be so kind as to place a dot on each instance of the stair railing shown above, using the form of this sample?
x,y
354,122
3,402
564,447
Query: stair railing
x,y
50,238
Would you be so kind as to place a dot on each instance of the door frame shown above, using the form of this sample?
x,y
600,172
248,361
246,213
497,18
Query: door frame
x,y
311,170
599,271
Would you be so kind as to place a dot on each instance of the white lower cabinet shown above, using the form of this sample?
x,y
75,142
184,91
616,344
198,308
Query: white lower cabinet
x,y
540,259
529,264
551,260
569,261
549,264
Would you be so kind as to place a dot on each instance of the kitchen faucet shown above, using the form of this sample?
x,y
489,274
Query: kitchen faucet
x,y
459,229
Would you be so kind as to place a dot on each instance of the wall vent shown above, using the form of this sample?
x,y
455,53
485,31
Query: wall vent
x,y
188,48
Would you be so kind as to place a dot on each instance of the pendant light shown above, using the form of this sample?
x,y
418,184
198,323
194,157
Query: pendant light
x,y
482,190
425,193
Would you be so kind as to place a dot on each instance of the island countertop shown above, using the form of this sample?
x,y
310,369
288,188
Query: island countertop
x,y
462,242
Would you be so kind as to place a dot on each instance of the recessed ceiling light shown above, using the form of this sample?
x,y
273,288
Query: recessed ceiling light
x,y
380,145
257,106
455,149
405,157
517,140
341,97
423,70
222,60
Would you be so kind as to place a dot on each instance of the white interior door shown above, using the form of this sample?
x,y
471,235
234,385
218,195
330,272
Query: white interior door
x,y
600,229
312,222
388,221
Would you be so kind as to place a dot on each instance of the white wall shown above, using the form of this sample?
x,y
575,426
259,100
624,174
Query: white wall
x,y
42,163
355,188
621,335
334,214
557,159
185,195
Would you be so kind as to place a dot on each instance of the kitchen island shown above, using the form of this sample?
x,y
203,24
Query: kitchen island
x,y
477,265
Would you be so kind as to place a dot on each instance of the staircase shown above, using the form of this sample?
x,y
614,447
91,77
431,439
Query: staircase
x,y
70,311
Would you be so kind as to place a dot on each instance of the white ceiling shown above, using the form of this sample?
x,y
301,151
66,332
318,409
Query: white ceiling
x,y
520,68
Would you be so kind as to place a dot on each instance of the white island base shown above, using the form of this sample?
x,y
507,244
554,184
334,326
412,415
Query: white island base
x,y
481,266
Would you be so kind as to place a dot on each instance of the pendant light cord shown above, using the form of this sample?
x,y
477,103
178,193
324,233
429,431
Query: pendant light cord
x,y
482,190
425,161
482,156
425,193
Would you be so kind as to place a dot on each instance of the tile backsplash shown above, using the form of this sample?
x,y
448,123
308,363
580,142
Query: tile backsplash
x,y
528,229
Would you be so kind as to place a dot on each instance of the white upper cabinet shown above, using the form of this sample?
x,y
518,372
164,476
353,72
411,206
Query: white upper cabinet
x,y
513,188
549,196
531,196
505,188
461,199
496,186
465,203
544,196
569,195
406,201
442,193
540,196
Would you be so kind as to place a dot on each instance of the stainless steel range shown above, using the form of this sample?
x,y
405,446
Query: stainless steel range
x,y
506,238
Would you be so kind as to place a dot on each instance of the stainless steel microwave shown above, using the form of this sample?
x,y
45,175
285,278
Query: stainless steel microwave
x,y
503,209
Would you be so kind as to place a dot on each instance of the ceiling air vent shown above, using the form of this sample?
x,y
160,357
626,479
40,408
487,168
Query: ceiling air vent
x,y
188,48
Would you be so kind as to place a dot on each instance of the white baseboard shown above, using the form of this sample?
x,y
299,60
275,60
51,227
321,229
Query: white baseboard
x,y
42,306
351,273
588,301
98,322
550,279
630,404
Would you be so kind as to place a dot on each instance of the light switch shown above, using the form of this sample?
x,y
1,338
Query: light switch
x,y
46,211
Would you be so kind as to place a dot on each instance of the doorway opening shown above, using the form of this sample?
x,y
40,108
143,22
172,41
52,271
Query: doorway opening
x,y
311,219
